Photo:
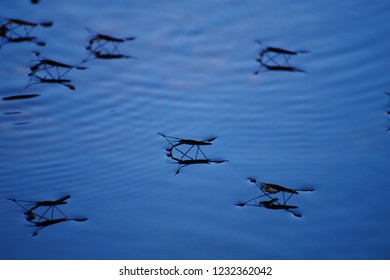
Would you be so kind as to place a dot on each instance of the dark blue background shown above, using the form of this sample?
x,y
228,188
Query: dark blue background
x,y
193,79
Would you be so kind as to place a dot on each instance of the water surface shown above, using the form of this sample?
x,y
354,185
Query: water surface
x,y
193,78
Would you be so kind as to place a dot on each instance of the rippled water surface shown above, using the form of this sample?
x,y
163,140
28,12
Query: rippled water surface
x,y
191,76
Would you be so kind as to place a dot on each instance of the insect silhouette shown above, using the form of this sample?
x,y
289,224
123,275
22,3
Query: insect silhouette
x,y
276,59
276,197
186,152
18,31
21,96
48,71
102,46
41,214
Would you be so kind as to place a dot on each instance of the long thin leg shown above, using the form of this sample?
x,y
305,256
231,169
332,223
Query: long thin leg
x,y
175,147
202,152
99,45
20,205
42,216
255,198
287,59
295,214
180,167
186,153
115,46
285,200
271,58
64,73
62,212
197,151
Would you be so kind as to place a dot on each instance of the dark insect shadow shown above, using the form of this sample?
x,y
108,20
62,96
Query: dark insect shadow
x,y
276,197
41,214
20,96
185,152
277,59
106,47
19,31
53,72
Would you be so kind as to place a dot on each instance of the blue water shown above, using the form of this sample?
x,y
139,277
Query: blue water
x,y
192,77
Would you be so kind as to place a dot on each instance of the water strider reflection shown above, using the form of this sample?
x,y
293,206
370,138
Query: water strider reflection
x,y
102,46
19,31
277,59
184,152
276,197
41,214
